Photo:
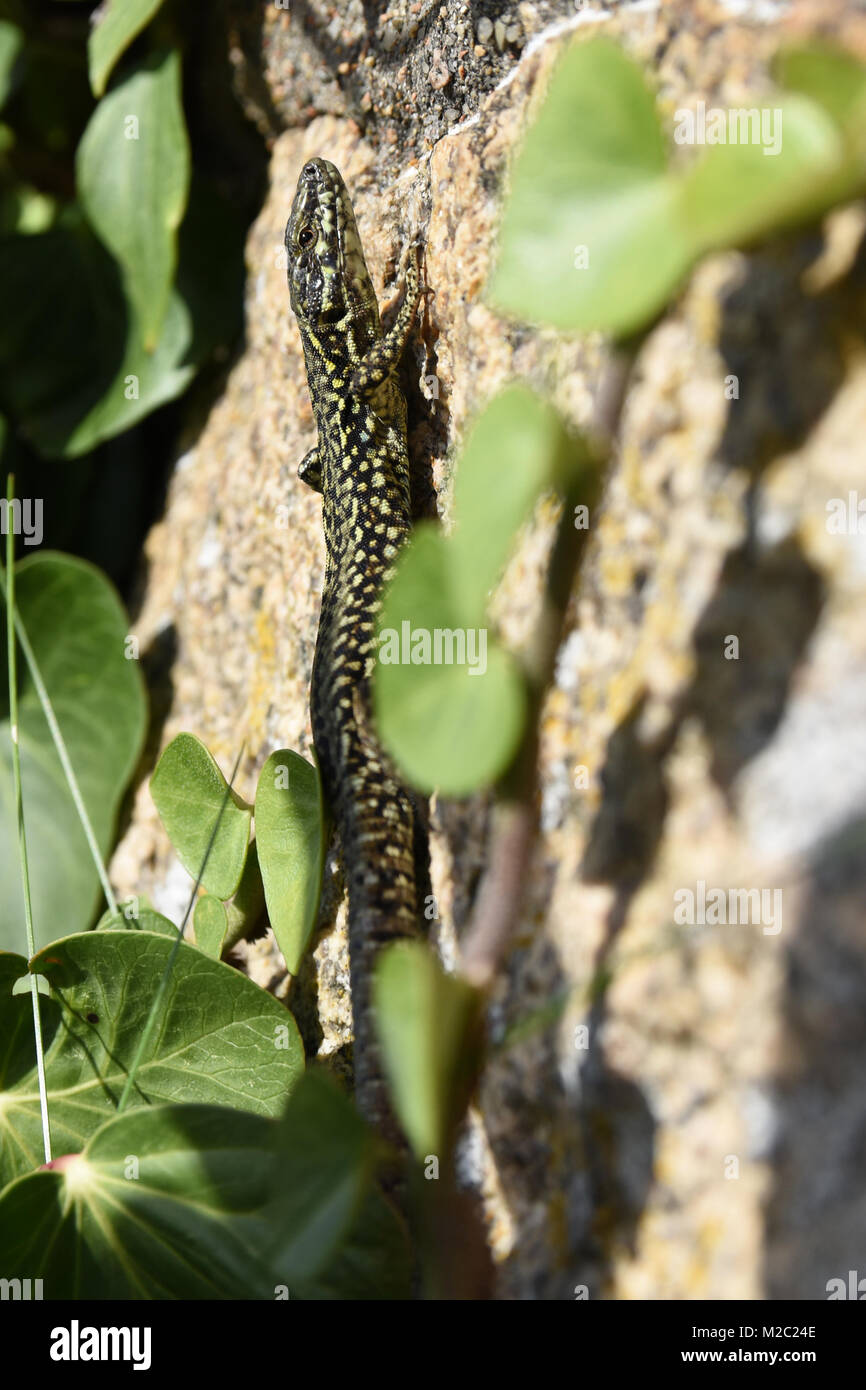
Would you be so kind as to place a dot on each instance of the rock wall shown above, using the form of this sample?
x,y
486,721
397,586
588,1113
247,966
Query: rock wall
x,y
672,1111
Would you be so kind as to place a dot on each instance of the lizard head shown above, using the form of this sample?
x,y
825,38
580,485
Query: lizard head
x,y
327,273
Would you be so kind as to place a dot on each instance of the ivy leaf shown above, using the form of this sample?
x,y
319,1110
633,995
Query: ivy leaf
x,y
290,834
429,1024
133,174
221,1039
119,22
206,822
77,629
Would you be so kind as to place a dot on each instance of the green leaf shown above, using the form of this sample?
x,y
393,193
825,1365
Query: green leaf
x,y
373,1262
133,178
144,919
163,1203
737,193
516,449
11,44
290,835
220,1041
600,229
448,725
193,800
429,1024
325,1154
73,370
210,924
77,629
591,174
120,21
829,76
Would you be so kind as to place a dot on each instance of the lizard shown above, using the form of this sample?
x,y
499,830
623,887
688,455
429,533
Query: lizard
x,y
360,466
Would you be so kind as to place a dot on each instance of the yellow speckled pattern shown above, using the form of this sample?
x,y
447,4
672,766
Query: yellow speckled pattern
x,y
361,467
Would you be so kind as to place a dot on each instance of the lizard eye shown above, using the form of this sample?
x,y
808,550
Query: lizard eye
x,y
306,237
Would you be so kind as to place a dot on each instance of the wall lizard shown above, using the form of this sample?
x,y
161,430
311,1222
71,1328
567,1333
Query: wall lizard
x,y
360,465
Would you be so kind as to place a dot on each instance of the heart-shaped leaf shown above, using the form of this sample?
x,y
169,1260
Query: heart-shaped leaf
x,y
202,1202
220,1039
290,835
162,1203
208,824
77,629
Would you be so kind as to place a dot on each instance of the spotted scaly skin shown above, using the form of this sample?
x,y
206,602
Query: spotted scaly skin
x,y
360,465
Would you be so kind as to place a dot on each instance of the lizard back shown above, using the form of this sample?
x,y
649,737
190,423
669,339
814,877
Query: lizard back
x,y
360,464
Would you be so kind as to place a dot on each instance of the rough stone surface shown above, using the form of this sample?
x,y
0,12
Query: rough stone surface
x,y
709,1140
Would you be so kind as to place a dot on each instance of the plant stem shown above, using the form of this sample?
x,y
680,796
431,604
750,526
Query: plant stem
x,y
12,672
515,816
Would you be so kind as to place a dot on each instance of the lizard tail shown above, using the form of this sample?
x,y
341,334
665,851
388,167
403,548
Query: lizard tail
x,y
377,834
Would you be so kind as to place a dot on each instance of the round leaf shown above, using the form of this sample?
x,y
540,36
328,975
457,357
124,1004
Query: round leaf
x,y
452,723
516,449
591,235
